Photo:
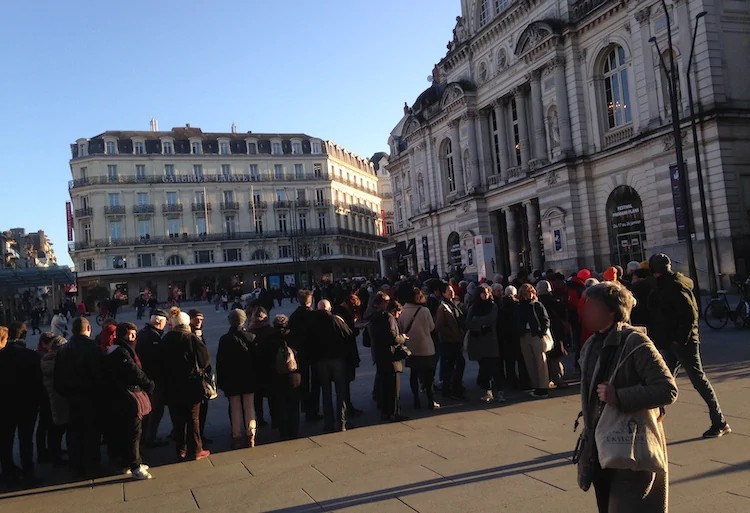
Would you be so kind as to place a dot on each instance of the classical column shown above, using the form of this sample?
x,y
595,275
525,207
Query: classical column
x,y
563,112
532,217
458,168
537,116
511,227
523,131
501,117
485,153
471,169
651,91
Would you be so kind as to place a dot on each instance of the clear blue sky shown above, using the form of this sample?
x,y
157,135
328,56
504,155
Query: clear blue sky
x,y
336,69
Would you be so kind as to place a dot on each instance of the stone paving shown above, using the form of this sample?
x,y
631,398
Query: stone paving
x,y
462,458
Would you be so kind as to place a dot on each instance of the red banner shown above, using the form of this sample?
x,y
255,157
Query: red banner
x,y
69,216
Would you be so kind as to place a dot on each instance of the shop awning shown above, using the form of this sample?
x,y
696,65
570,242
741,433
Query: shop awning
x,y
11,280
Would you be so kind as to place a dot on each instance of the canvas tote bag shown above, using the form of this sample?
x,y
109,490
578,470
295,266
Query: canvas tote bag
x,y
630,441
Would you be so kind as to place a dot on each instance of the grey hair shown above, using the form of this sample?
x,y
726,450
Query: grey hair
x,y
511,291
325,305
615,297
590,282
543,287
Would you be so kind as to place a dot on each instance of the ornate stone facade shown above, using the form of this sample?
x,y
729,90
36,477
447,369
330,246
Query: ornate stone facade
x,y
548,128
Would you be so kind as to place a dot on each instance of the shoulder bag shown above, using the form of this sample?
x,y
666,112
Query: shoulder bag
x,y
549,341
205,380
630,441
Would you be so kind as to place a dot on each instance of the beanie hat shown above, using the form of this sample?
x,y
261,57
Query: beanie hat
x,y
182,319
660,263
583,274
610,274
194,313
237,318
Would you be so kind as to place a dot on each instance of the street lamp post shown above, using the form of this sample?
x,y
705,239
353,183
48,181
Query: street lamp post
x,y
683,182
699,168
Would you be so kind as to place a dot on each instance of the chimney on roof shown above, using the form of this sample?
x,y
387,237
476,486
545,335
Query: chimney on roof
x,y
187,125
234,127
154,125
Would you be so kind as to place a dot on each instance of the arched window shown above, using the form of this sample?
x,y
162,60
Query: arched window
x,y
449,174
175,260
259,255
501,5
665,78
484,12
616,91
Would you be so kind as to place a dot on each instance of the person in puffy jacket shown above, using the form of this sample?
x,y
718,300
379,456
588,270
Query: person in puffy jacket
x,y
482,345
236,376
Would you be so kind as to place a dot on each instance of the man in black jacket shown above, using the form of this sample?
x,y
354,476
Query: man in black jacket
x,y
674,328
21,384
300,339
149,352
196,326
78,377
329,355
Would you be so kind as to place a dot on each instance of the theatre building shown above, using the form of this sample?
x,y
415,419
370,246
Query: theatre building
x,y
545,139
182,212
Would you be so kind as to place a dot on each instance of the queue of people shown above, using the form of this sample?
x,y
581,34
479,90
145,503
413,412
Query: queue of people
x,y
116,387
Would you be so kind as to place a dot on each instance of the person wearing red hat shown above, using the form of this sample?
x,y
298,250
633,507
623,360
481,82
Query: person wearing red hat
x,y
576,288
611,274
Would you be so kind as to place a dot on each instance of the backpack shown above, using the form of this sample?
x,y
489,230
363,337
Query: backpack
x,y
286,360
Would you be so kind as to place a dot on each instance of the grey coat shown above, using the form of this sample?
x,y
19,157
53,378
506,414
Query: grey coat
x,y
58,403
482,334
643,382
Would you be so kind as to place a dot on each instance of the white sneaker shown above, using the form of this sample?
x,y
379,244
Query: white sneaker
x,y
142,473
128,472
499,397
488,397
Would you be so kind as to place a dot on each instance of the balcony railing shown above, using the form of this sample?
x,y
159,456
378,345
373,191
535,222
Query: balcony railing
x,y
282,204
257,205
322,203
303,203
223,236
494,180
171,208
117,210
143,209
230,205
84,212
618,135
192,179
201,207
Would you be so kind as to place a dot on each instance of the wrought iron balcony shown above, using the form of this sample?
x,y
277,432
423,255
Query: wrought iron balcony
x,y
230,205
84,212
201,207
112,210
171,208
143,209
282,204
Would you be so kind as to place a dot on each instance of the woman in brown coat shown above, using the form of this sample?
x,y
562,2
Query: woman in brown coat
x,y
643,382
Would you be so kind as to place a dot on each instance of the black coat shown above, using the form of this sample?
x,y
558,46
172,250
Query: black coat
x,y
122,372
534,315
180,351
299,331
640,316
329,337
236,366
265,353
673,311
147,346
78,368
507,329
385,337
20,378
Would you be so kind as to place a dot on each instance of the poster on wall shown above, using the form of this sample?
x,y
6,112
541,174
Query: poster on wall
x,y
680,202
274,281
289,280
484,246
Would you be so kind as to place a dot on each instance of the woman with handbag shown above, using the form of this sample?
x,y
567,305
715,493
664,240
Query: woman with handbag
x,y
482,345
388,353
556,313
185,359
533,325
416,322
624,386
236,376
129,402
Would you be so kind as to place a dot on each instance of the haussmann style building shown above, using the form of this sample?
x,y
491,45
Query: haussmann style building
x,y
183,211
545,139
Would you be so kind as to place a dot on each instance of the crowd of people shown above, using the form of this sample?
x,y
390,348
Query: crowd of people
x,y
116,387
